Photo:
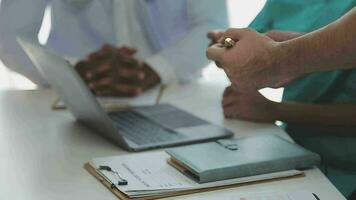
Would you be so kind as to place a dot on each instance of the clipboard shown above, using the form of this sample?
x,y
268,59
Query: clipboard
x,y
109,185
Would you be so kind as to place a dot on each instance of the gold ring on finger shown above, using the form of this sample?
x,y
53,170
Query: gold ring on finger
x,y
229,43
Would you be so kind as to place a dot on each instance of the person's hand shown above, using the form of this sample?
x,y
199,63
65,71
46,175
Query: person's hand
x,y
114,71
248,106
214,37
278,36
253,63
281,36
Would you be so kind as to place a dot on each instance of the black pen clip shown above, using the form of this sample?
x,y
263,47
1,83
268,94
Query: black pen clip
x,y
121,181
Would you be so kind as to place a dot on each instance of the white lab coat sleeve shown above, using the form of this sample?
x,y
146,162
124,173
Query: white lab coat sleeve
x,y
20,17
185,59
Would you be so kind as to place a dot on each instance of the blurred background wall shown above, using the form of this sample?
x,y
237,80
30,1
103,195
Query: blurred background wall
x,y
241,13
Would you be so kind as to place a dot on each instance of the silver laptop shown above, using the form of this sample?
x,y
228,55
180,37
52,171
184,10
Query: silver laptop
x,y
134,129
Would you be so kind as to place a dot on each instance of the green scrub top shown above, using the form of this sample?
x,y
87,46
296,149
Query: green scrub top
x,y
336,147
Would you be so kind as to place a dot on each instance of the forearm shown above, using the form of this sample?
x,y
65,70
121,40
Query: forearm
x,y
20,18
330,48
309,114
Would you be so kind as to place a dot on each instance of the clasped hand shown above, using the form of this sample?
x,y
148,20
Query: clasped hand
x,y
114,71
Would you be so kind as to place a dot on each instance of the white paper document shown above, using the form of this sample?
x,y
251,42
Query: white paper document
x,y
235,195
149,174
148,98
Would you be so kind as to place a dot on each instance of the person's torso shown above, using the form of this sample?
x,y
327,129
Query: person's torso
x,y
82,26
339,86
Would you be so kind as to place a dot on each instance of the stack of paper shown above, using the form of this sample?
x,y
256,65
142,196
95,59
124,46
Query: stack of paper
x,y
149,176
235,195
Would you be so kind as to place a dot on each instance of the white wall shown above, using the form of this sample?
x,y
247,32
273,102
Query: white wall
x,y
242,12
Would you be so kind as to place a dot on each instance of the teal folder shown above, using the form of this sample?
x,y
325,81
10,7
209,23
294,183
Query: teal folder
x,y
234,158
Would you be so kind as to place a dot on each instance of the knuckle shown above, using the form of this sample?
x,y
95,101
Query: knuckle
x,y
227,91
230,32
208,53
138,91
141,75
247,30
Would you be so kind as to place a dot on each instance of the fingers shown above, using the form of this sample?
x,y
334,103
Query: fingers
x,y
107,88
128,69
228,101
120,76
228,90
107,51
233,104
230,97
115,72
81,68
231,109
98,72
219,65
121,90
215,52
214,36
236,34
93,60
127,90
102,63
101,85
127,61
129,51
229,113
102,52
239,33
128,82
131,74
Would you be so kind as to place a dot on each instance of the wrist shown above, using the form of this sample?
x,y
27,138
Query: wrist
x,y
285,60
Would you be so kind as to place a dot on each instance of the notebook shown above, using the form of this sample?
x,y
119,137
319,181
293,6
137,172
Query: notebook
x,y
235,158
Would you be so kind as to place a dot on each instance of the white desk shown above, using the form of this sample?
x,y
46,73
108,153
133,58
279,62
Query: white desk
x,y
42,152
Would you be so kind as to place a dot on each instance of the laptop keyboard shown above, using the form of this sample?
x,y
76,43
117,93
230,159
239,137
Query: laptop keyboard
x,y
142,130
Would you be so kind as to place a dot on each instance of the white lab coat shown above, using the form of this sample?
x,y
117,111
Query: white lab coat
x,y
169,34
